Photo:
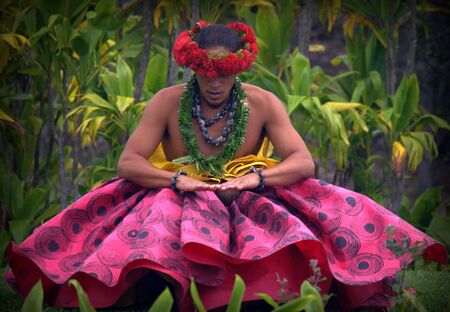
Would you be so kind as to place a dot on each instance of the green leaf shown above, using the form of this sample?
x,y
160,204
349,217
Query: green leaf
x,y
163,303
236,296
11,193
425,205
83,300
33,203
268,299
293,102
430,120
155,78
301,70
196,297
406,100
273,83
19,229
5,238
357,92
268,33
99,102
125,78
33,302
316,304
439,228
304,303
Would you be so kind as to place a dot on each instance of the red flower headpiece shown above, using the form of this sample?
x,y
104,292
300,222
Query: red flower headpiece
x,y
211,64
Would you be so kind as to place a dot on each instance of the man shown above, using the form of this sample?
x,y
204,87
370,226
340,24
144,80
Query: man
x,y
195,144
267,116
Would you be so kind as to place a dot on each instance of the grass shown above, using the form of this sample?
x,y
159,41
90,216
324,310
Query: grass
x,y
432,287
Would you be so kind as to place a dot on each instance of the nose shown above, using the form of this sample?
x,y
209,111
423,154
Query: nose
x,y
214,82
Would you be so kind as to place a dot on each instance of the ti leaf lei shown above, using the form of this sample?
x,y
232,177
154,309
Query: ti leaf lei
x,y
211,164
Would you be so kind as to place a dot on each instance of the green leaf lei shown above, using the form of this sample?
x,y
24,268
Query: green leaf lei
x,y
211,164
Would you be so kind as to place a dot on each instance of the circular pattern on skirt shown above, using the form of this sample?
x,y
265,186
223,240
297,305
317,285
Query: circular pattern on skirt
x,y
136,235
296,201
175,265
329,220
172,224
100,272
279,224
112,255
205,230
371,227
256,253
94,240
190,203
353,205
74,222
124,192
345,244
216,220
246,201
99,206
218,208
72,263
139,254
366,264
170,246
292,235
262,215
50,242
317,188
249,238
149,214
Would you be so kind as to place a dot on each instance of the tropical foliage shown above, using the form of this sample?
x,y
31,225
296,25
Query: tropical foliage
x,y
70,72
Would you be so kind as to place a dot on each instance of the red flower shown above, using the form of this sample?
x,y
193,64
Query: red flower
x,y
187,52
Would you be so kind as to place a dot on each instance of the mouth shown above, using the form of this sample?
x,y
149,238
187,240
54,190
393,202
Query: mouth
x,y
214,95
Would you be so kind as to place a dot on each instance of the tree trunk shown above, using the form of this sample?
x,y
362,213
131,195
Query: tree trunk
x,y
37,150
302,27
194,19
75,159
412,38
195,12
59,138
148,9
390,55
172,68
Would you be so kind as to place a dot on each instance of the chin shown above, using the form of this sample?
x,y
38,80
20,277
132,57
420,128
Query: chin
x,y
216,102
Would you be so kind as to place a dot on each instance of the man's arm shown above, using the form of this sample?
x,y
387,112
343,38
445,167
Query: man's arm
x,y
297,162
133,163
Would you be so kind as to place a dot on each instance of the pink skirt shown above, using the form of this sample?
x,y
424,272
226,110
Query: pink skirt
x,y
119,231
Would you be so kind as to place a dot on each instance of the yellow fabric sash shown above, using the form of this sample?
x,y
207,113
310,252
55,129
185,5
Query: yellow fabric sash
x,y
233,169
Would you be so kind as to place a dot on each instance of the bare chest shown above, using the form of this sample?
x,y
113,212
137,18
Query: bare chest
x,y
174,146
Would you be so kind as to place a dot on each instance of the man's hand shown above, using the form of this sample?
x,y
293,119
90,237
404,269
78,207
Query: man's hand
x,y
246,182
187,184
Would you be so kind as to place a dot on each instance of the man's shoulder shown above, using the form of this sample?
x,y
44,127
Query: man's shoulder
x,y
259,96
171,93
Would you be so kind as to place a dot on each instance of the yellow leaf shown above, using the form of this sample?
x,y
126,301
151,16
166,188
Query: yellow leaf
x,y
398,157
6,117
123,102
356,19
15,40
314,48
73,89
343,106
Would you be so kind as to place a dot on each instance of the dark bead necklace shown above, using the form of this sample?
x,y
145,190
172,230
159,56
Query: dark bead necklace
x,y
204,123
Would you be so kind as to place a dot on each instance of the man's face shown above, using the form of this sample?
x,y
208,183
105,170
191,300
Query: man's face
x,y
215,91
